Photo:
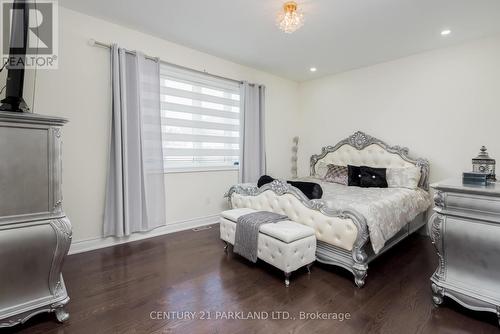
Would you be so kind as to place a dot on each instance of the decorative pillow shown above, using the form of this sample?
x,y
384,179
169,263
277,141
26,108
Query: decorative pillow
x,y
336,174
407,177
264,179
373,177
353,176
321,169
310,189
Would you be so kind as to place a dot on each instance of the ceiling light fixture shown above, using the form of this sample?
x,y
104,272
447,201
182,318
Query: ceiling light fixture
x,y
291,18
313,69
445,32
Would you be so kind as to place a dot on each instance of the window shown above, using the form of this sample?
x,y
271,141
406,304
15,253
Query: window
x,y
200,120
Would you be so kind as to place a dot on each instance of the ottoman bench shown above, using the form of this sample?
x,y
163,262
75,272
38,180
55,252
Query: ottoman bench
x,y
285,245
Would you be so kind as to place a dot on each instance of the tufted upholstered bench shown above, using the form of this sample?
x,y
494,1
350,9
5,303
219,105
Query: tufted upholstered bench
x,y
285,245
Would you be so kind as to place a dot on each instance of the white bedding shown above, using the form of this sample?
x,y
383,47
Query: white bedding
x,y
386,210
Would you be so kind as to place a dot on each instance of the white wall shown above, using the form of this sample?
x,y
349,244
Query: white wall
x,y
80,91
442,104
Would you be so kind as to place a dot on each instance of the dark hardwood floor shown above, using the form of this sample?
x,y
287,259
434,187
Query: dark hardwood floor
x,y
115,290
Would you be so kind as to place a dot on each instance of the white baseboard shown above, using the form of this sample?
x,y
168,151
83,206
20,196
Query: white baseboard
x,y
97,243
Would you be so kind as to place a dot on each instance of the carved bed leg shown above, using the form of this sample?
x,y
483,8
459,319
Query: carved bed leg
x,y
359,277
498,315
437,294
309,268
287,279
360,267
226,245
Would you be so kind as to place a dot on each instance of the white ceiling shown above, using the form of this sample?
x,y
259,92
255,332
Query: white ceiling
x,y
338,35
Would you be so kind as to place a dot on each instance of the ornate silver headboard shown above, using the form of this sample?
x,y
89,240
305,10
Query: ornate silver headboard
x,y
361,148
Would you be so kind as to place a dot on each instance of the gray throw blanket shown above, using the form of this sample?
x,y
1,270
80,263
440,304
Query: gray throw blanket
x,y
247,232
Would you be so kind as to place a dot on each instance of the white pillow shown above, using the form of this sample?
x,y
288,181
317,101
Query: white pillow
x,y
407,177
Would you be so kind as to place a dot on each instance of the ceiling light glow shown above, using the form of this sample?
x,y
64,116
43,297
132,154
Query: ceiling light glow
x,y
290,19
313,69
445,32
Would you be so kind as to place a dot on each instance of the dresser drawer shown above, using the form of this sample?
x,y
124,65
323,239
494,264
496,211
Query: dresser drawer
x,y
460,201
472,258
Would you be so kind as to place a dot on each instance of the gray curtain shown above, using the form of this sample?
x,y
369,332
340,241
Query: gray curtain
x,y
252,142
135,191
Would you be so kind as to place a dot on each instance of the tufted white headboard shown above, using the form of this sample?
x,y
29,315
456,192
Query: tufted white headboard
x,y
361,149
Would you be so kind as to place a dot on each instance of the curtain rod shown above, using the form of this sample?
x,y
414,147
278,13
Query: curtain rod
x,y
93,42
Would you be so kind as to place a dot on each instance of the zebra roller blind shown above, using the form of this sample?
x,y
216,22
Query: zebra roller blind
x,y
200,120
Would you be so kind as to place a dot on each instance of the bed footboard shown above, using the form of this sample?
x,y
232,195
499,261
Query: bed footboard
x,y
342,235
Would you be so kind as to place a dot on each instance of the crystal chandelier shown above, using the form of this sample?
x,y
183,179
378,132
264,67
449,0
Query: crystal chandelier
x,y
290,19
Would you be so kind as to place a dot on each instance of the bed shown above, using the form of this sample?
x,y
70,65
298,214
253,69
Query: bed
x,y
353,225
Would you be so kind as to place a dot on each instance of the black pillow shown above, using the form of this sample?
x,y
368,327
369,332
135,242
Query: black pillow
x,y
310,189
373,177
353,176
264,179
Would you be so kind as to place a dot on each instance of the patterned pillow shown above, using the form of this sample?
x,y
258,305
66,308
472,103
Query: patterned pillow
x,y
408,177
321,169
336,174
